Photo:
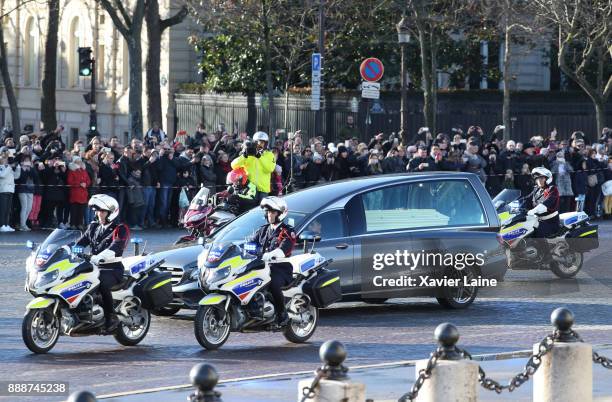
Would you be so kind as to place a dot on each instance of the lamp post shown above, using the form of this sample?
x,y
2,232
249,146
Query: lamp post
x,y
403,37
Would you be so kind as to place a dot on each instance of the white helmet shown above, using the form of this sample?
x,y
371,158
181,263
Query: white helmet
x,y
542,172
103,202
260,136
275,204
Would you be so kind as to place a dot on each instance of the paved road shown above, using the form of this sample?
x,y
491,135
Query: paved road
x,y
398,330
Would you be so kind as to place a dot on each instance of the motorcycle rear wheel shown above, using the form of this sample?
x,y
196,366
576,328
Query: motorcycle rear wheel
x,y
211,332
571,270
297,332
132,337
40,330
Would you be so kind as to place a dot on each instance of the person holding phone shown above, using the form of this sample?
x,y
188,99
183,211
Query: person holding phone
x,y
8,175
25,187
421,162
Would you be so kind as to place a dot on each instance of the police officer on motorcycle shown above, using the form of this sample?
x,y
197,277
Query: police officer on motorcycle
x,y
277,240
241,191
544,202
107,240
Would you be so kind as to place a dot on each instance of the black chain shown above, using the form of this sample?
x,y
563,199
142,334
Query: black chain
x,y
531,367
309,392
597,358
424,374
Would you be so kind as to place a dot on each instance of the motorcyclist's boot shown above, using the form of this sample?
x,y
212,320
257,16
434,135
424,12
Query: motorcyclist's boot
x,y
282,319
111,324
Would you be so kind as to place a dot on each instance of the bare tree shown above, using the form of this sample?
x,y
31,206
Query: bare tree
x,y
4,71
513,20
130,27
47,101
155,29
584,30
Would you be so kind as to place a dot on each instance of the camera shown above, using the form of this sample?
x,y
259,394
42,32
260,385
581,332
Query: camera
x,y
250,148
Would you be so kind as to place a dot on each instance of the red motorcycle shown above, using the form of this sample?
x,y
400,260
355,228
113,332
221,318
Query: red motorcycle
x,y
207,214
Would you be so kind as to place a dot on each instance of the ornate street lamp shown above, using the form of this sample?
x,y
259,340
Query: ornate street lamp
x,y
403,37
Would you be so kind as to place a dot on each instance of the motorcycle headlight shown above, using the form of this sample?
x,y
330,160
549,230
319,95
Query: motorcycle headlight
x,y
46,278
215,275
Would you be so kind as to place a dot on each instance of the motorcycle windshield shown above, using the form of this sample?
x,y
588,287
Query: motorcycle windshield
x,y
201,198
57,239
246,224
503,199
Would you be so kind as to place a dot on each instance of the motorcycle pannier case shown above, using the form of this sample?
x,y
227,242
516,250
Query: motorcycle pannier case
x,y
324,288
155,290
583,238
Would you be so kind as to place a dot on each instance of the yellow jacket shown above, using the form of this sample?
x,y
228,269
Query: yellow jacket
x,y
259,169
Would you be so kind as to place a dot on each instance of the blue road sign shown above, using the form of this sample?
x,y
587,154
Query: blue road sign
x,y
316,62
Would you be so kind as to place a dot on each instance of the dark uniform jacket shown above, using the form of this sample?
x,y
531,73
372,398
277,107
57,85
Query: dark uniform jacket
x,y
549,197
113,237
282,237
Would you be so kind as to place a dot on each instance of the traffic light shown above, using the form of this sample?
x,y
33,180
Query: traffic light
x,y
93,122
85,62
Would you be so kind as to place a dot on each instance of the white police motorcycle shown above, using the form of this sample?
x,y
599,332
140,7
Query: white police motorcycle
x,y
64,284
236,280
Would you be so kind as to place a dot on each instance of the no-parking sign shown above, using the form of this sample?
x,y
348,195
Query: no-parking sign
x,y
371,69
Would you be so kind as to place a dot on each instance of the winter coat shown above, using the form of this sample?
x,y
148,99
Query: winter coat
x,y
563,179
55,181
27,181
341,169
167,171
259,169
109,178
8,177
76,176
135,193
208,177
221,170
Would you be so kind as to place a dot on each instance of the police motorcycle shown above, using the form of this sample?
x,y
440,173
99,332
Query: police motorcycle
x,y
576,236
236,280
64,284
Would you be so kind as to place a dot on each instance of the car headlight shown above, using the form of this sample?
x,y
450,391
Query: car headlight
x,y
215,275
203,256
195,274
46,278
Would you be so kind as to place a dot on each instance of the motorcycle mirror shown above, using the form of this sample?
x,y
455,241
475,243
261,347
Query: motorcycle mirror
x,y
307,235
136,241
200,241
30,244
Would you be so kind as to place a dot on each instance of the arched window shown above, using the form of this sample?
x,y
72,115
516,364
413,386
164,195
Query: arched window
x,y
73,57
30,52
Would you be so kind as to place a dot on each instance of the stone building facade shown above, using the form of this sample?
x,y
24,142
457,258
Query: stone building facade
x,y
84,23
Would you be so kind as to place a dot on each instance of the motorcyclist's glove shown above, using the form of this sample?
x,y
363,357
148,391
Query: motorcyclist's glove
x,y
273,255
539,209
103,257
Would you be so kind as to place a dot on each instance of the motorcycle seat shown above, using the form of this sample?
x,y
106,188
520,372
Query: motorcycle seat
x,y
123,284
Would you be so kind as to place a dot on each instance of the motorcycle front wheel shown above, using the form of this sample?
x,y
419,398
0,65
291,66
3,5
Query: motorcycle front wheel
x,y
211,327
569,266
299,331
40,330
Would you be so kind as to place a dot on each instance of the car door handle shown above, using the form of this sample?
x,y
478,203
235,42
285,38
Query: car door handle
x,y
342,246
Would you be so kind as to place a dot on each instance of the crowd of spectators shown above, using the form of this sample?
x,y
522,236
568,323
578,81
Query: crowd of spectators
x,y
46,184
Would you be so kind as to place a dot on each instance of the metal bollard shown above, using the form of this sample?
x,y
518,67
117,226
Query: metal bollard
x,y
331,384
82,396
566,372
204,377
452,377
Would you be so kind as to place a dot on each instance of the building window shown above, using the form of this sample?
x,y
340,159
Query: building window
x,y
73,56
30,51
74,134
